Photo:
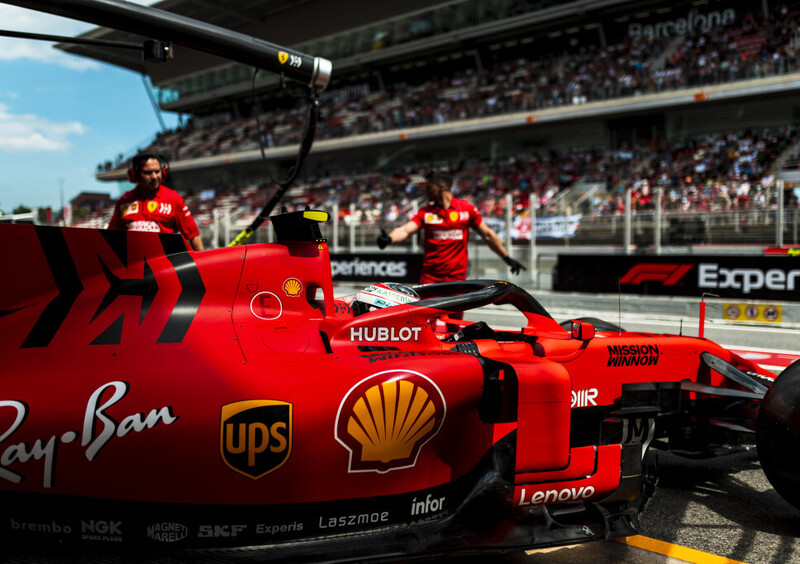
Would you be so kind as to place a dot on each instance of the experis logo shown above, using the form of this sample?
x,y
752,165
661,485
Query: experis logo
x,y
747,279
669,274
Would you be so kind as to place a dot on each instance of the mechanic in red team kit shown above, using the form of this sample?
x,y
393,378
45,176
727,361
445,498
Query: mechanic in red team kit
x,y
152,206
446,220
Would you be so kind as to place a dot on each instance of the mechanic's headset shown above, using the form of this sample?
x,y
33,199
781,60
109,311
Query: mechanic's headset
x,y
139,160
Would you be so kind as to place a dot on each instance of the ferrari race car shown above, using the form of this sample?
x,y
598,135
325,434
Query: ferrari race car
x,y
226,402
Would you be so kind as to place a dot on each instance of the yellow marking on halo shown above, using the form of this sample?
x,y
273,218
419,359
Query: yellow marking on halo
x,y
316,215
675,551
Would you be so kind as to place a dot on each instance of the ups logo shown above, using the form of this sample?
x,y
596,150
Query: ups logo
x,y
255,436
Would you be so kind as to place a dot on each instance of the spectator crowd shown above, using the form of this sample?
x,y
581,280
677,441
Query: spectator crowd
x,y
588,73
722,172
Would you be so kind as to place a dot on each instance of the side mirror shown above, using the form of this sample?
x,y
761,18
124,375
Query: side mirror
x,y
582,330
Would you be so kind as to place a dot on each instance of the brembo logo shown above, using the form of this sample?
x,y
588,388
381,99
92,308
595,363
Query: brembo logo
x,y
385,419
256,436
746,279
668,274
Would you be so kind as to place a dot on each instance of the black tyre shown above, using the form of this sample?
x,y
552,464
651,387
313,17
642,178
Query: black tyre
x,y
778,434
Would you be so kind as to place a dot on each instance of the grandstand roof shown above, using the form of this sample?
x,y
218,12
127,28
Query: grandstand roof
x,y
218,13
277,21
293,23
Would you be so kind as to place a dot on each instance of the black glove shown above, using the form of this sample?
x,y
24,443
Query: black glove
x,y
515,265
384,240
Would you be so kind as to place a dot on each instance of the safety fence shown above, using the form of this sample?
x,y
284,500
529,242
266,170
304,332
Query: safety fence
x,y
653,230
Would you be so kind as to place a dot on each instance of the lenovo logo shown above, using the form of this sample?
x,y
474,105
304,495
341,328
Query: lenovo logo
x,y
556,496
668,274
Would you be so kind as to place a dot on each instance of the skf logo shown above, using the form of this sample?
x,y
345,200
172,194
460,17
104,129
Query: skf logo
x,y
668,274
152,206
128,209
385,420
283,57
292,287
220,531
255,436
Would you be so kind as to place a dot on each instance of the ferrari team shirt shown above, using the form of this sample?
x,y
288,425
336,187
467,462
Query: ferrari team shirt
x,y
446,233
164,212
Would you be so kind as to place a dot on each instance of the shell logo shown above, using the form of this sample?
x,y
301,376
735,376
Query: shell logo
x,y
292,287
386,419
133,207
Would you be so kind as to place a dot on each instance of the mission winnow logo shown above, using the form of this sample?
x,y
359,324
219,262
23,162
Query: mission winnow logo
x,y
633,355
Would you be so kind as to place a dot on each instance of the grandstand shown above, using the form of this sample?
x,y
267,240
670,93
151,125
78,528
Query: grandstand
x,y
574,106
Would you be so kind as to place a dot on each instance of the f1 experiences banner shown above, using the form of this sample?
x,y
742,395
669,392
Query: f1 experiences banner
x,y
383,267
773,278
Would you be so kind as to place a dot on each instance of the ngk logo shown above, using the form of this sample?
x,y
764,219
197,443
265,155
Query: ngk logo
x,y
102,527
668,274
746,279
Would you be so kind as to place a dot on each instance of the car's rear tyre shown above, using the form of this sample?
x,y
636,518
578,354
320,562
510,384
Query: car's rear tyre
x,y
778,434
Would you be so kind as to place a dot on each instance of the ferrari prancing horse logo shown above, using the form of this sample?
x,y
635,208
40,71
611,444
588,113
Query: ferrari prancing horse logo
x,y
255,436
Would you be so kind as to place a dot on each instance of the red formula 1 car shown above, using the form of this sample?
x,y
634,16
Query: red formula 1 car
x,y
227,402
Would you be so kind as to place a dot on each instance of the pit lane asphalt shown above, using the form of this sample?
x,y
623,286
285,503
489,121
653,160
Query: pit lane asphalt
x,y
718,511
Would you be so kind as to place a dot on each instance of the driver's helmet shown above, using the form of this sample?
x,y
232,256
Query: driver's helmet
x,y
381,295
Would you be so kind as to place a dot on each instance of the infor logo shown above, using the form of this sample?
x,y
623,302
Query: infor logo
x,y
255,436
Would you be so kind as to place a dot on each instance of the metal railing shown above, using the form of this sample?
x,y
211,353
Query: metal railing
x,y
653,231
